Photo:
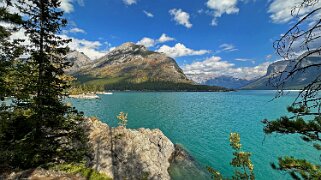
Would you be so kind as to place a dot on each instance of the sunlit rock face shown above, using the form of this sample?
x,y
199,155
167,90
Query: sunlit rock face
x,y
128,154
131,63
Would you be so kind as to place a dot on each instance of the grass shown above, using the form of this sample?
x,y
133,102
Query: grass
x,y
89,174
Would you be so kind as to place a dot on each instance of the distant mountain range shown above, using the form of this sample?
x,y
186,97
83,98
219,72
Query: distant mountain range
x,y
228,82
132,67
298,81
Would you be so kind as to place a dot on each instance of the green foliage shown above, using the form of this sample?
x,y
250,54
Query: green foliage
x,y
9,50
122,118
122,84
241,162
84,89
309,131
38,128
87,173
298,168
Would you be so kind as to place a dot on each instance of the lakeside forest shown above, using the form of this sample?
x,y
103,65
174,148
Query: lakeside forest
x,y
41,135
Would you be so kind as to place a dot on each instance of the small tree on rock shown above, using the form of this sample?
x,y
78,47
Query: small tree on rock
x,y
241,161
122,118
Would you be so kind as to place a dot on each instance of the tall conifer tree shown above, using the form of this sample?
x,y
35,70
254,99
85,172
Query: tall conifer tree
x,y
42,128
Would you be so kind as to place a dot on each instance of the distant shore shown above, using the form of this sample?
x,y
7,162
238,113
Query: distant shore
x,y
85,96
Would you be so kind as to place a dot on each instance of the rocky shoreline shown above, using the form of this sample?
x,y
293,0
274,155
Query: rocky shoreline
x,y
122,153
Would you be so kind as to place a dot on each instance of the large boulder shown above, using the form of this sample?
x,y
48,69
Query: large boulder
x,y
128,154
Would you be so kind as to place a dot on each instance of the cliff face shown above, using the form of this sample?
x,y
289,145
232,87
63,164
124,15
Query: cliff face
x,y
297,81
123,153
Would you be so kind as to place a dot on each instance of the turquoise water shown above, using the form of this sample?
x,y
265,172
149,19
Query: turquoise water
x,y
201,122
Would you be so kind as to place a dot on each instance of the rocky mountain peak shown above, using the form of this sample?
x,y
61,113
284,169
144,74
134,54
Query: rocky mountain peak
x,y
77,59
128,47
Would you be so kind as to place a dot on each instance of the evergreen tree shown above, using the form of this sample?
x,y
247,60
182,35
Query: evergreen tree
x,y
8,50
298,44
42,128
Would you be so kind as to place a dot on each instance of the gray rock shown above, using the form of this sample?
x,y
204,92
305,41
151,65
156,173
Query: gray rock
x,y
128,154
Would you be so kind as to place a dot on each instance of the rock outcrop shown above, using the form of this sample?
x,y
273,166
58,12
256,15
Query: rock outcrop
x,y
124,153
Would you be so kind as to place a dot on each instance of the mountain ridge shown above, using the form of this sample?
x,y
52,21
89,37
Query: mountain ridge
x,y
298,81
134,67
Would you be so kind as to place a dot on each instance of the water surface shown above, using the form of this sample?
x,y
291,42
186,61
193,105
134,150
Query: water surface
x,y
202,122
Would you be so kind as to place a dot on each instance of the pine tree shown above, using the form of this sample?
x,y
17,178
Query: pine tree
x,y
8,50
42,128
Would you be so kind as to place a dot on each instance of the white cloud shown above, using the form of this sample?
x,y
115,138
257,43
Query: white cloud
x,y
181,17
130,2
180,50
165,38
215,67
77,30
227,47
90,48
221,7
148,14
67,6
280,10
149,42
245,60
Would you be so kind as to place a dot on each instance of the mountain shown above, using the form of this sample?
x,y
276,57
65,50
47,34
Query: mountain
x,y
228,82
134,67
299,80
78,61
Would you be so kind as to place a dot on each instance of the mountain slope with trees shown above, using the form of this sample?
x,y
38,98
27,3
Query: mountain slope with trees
x,y
134,67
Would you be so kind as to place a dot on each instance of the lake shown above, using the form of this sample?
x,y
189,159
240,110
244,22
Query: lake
x,y
201,123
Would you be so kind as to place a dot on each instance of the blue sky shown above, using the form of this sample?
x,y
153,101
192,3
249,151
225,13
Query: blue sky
x,y
204,36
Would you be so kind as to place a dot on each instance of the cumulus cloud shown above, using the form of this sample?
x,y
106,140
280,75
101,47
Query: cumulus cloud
x,y
165,38
180,50
280,10
148,14
220,7
149,42
214,67
130,2
181,17
91,48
